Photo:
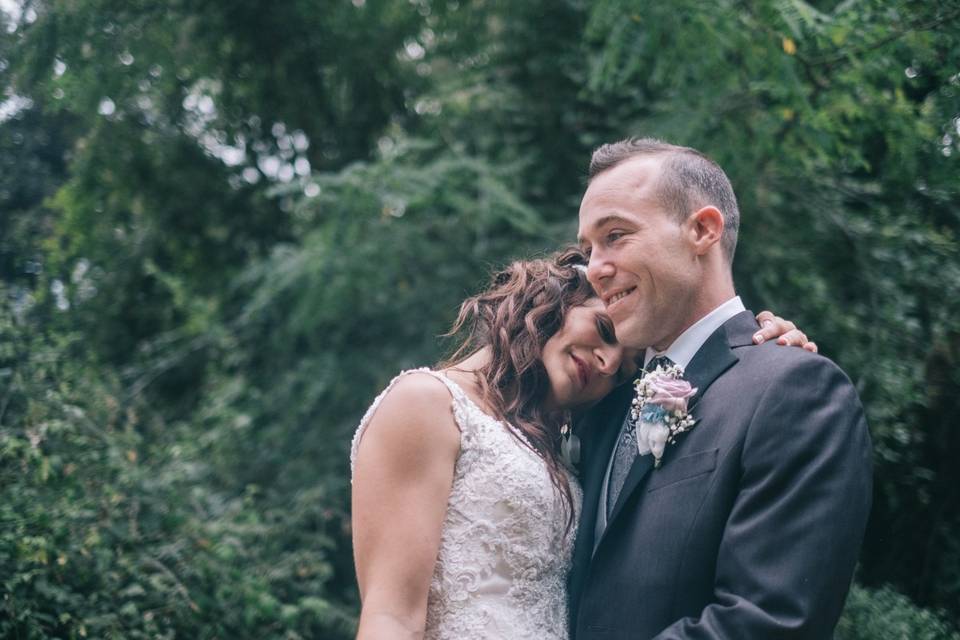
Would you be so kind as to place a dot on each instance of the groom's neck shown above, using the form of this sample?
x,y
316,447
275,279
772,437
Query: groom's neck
x,y
712,293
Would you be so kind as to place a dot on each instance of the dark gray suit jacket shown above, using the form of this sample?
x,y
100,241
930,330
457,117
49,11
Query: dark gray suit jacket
x,y
751,527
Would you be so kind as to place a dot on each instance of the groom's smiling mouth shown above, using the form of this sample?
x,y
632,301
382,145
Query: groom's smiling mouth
x,y
611,300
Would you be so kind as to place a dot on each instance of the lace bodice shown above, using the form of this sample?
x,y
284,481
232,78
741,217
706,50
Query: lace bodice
x,y
505,551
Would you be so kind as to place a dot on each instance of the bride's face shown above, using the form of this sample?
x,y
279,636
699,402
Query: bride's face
x,y
584,361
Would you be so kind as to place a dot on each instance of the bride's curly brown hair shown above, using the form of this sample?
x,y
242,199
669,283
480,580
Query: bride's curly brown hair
x,y
525,304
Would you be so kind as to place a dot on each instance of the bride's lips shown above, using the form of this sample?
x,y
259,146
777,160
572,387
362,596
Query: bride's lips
x,y
583,370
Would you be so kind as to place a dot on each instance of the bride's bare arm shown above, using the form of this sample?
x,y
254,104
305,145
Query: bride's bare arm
x,y
401,483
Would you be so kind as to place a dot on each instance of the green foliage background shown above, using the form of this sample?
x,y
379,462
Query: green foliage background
x,y
225,225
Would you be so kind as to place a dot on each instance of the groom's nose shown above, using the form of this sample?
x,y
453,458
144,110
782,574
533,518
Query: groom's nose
x,y
598,269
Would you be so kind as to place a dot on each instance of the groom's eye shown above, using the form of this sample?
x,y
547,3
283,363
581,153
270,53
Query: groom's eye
x,y
613,236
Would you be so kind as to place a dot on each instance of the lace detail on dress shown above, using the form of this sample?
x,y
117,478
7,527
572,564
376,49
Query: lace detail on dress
x,y
505,550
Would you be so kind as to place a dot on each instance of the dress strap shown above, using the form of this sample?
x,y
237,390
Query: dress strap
x,y
459,395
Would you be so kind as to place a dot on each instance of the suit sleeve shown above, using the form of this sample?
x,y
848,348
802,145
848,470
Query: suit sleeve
x,y
791,542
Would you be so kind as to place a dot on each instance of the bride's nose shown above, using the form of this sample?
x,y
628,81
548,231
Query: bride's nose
x,y
608,359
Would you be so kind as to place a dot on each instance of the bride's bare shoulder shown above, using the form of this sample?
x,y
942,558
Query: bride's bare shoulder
x,y
417,390
415,411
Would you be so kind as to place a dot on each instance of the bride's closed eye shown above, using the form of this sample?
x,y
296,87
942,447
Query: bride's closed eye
x,y
605,329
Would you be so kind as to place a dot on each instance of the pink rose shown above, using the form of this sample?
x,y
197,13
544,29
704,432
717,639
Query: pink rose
x,y
670,394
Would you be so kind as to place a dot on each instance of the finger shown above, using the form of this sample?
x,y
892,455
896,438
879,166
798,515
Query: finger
x,y
812,347
793,338
773,328
764,318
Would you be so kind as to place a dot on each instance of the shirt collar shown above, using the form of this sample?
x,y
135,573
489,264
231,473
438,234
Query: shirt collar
x,y
683,349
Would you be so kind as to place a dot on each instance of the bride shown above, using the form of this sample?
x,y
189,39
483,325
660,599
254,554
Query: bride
x,y
464,512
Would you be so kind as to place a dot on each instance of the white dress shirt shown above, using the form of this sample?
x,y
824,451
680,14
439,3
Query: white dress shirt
x,y
683,349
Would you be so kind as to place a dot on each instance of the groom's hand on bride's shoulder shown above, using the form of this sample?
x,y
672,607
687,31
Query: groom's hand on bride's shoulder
x,y
787,334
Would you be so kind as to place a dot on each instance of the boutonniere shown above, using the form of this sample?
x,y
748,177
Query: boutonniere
x,y
659,410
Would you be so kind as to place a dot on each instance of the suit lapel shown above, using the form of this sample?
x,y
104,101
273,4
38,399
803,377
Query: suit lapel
x,y
713,358
710,361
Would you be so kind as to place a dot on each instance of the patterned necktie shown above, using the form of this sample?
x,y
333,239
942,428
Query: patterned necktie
x,y
626,450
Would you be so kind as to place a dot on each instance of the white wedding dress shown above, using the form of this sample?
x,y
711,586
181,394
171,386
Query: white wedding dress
x,y
505,551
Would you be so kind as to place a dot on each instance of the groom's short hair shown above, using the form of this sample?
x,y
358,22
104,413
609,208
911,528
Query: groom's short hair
x,y
689,180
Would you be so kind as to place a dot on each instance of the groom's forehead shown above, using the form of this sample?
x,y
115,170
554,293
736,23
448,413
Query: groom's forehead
x,y
630,175
634,185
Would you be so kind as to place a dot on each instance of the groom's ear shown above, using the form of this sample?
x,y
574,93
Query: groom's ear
x,y
705,228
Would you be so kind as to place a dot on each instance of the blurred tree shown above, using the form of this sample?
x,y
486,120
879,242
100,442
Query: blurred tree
x,y
183,113
884,614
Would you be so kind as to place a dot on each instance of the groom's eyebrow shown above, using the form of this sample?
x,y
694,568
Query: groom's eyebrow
x,y
602,222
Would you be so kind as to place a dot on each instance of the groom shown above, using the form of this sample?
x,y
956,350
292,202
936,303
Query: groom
x,y
750,525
